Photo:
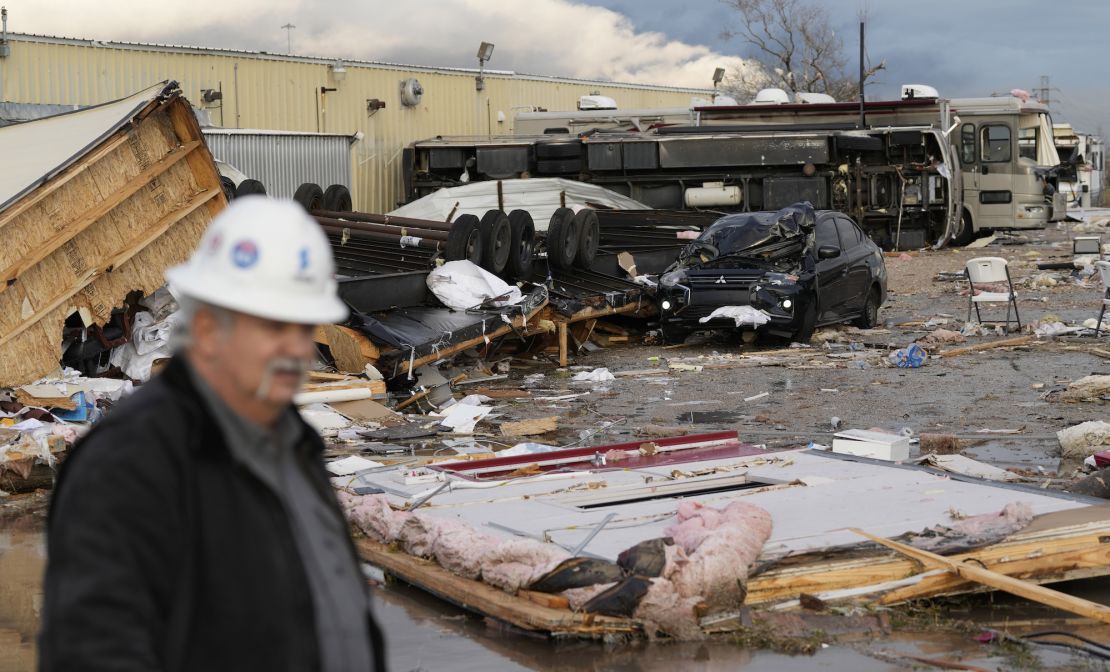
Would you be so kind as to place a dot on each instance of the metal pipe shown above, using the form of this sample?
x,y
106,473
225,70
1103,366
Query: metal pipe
x,y
409,222
235,84
394,230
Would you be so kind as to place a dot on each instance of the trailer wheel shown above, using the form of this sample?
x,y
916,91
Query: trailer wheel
x,y
228,185
562,238
497,241
464,240
247,187
523,241
310,196
338,198
588,234
965,232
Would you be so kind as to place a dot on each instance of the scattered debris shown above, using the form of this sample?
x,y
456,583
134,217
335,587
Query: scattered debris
x,y
530,427
1085,439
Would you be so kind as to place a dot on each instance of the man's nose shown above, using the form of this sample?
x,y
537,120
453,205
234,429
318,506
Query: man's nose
x,y
296,341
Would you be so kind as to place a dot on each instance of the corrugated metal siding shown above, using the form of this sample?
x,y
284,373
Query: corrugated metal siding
x,y
284,162
282,93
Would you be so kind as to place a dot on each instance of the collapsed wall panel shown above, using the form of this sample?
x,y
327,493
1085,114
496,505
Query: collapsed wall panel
x,y
123,210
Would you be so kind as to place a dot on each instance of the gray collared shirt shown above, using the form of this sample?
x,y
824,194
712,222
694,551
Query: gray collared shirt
x,y
278,458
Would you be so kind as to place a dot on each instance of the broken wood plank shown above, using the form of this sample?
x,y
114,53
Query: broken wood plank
x,y
317,376
1004,343
530,427
350,349
412,400
489,601
1009,584
375,386
545,599
498,393
1100,353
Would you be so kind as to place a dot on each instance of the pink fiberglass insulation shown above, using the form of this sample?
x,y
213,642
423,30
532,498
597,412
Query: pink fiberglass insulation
x,y
419,533
373,515
717,571
663,610
1013,517
460,548
696,521
519,562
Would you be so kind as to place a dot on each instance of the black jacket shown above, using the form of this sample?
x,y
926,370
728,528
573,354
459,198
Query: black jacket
x,y
166,554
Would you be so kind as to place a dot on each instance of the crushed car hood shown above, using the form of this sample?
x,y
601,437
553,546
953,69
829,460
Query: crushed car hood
x,y
773,238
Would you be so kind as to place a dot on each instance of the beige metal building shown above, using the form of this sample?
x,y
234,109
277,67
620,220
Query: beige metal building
x,y
295,93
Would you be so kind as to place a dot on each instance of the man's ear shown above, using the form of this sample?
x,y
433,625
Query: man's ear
x,y
205,333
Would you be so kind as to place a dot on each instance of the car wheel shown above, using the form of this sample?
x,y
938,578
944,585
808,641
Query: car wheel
x,y
965,232
562,238
869,318
524,236
497,240
464,240
588,236
673,334
808,324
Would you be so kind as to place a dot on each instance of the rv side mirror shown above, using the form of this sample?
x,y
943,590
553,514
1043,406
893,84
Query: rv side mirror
x,y
828,252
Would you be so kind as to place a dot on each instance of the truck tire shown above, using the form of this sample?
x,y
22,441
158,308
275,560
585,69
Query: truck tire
x,y
497,241
965,232
337,198
562,238
523,240
247,187
310,196
464,240
228,185
588,235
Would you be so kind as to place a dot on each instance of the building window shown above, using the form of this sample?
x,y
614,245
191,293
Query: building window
x,y
995,144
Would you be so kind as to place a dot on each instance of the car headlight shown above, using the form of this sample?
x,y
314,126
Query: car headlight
x,y
672,278
787,304
665,305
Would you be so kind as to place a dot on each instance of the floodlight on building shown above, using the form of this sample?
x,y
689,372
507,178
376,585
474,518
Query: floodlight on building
x,y
718,77
338,71
485,52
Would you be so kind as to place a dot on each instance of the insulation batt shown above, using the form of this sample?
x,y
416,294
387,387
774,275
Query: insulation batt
x,y
373,515
419,534
580,596
718,570
460,548
518,562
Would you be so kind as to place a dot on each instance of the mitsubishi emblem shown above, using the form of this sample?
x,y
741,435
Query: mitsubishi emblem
x,y
720,281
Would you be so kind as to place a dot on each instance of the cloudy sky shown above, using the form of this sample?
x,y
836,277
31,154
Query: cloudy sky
x,y
962,47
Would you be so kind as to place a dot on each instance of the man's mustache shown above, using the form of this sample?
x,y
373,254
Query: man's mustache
x,y
281,365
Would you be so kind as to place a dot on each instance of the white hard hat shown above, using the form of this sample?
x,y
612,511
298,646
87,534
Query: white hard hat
x,y
264,257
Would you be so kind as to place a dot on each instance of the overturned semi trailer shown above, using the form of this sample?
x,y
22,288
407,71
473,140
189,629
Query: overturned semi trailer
x,y
901,184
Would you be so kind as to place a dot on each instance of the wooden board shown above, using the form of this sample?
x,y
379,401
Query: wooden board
x,y
351,350
108,225
489,601
530,427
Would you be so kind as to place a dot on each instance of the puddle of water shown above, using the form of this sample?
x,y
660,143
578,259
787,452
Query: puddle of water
x,y
709,417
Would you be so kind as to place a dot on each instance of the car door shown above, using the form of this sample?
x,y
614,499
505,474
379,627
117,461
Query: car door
x,y
831,276
857,272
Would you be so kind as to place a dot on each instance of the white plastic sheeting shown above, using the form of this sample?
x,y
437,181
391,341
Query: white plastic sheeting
x,y
740,314
539,196
462,284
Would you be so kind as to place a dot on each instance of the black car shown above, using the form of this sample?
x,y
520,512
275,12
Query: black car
x,y
785,273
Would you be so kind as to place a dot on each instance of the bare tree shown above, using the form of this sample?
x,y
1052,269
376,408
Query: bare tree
x,y
796,48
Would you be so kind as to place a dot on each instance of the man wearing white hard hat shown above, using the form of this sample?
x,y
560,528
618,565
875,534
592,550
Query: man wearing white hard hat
x,y
194,528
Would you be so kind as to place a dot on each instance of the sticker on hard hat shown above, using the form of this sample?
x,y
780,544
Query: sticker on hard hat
x,y
303,260
244,254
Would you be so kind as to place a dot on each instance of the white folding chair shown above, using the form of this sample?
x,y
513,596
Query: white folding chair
x,y
1103,271
986,271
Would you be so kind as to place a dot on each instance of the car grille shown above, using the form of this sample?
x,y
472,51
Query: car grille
x,y
723,281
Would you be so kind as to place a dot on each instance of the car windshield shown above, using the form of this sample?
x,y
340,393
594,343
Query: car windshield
x,y
760,236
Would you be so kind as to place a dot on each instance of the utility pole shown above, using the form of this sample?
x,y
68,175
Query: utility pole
x,y
288,28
